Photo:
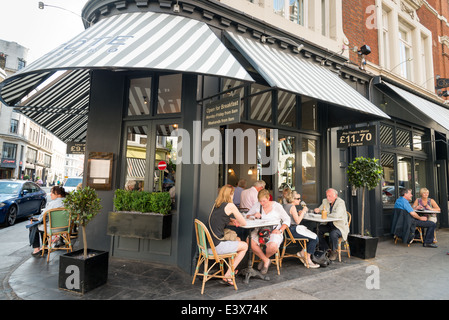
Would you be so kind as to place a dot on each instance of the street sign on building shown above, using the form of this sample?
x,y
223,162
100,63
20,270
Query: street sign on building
x,y
76,147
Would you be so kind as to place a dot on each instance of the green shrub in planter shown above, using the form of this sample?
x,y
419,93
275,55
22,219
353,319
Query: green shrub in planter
x,y
142,201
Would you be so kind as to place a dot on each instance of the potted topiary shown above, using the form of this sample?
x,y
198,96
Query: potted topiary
x,y
85,269
364,173
140,214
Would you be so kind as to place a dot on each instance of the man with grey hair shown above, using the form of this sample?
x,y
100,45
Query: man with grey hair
x,y
249,196
336,208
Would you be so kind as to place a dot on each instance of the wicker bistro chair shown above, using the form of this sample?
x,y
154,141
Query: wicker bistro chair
x,y
288,240
56,224
204,240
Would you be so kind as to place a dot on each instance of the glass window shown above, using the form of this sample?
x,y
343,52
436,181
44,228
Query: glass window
x,y
136,154
9,150
308,113
14,126
169,94
404,173
403,138
286,109
139,97
385,54
309,170
386,135
286,162
405,53
166,152
388,189
417,141
420,176
2,60
260,104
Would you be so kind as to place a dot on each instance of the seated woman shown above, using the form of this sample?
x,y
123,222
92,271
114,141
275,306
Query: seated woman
x,y
224,213
301,231
57,195
425,203
268,210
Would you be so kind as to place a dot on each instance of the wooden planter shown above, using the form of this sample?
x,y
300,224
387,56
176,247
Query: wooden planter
x,y
81,275
362,247
139,225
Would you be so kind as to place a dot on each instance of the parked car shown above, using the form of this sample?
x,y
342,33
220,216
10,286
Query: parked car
x,y
71,183
19,199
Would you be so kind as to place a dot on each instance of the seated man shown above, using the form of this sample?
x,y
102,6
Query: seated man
x,y
249,196
336,229
403,202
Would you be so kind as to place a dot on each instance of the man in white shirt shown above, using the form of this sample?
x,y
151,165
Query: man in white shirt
x,y
249,196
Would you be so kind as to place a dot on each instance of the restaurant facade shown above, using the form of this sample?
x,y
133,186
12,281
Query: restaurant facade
x,y
218,95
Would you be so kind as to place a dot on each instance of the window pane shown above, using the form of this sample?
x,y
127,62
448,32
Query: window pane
x,y
309,174
417,141
136,154
404,173
286,163
9,150
420,176
260,104
403,138
169,94
139,97
388,190
309,114
386,135
166,150
286,109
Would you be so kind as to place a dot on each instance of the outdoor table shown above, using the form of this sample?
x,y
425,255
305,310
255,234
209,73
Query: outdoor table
x,y
316,217
251,225
427,211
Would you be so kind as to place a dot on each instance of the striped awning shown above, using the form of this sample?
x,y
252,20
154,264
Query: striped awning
x,y
290,72
437,113
138,40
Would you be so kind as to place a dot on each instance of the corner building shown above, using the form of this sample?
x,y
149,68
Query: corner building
x,y
143,69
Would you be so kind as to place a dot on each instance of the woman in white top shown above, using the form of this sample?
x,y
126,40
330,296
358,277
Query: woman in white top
x,y
268,210
57,195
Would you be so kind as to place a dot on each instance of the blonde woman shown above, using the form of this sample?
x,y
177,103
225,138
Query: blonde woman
x,y
225,212
268,210
300,231
425,203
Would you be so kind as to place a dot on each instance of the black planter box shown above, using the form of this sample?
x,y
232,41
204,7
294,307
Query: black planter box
x,y
362,247
81,275
139,225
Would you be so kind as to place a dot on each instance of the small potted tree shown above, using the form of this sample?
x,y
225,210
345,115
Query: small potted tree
x,y
364,173
85,269
140,214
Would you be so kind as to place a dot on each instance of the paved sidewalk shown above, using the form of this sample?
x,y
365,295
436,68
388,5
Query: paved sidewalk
x,y
404,273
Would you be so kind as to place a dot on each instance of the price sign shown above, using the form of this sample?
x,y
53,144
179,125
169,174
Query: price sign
x,y
76,147
357,137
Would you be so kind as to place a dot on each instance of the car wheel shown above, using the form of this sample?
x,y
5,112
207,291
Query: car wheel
x,y
11,216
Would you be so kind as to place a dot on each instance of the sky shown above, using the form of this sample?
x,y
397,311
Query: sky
x,y
40,30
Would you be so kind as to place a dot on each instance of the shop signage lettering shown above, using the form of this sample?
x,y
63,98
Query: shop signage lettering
x,y
8,163
222,112
357,137
76,147
109,44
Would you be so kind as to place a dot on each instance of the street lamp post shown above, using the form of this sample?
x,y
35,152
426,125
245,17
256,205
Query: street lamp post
x,y
43,5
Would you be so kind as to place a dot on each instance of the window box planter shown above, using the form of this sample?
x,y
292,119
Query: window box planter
x,y
363,247
147,225
80,275
141,214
